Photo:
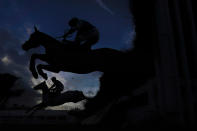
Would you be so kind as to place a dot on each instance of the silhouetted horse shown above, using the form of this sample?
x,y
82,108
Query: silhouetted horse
x,y
48,100
69,57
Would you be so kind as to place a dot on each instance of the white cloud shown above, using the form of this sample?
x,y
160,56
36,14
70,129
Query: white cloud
x,y
69,106
6,60
35,81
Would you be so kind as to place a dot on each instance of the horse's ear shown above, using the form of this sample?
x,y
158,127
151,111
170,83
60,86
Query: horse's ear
x,y
35,28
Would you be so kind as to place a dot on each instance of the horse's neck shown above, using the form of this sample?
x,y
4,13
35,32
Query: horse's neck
x,y
52,45
45,90
49,42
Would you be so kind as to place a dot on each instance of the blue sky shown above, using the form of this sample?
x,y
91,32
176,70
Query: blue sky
x,y
51,17
17,18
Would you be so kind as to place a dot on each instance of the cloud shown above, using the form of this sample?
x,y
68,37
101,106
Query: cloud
x,y
69,106
102,4
6,60
28,98
29,30
8,40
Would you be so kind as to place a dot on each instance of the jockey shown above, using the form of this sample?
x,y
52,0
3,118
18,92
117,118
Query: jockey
x,y
87,34
56,88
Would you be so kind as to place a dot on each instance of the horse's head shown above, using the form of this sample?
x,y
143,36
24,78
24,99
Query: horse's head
x,y
40,86
33,42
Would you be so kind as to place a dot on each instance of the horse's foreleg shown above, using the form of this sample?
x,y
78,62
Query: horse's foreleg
x,y
32,66
35,108
32,63
32,108
38,108
41,72
50,68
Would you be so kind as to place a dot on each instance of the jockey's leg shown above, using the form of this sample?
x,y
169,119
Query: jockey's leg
x,y
90,39
89,43
80,38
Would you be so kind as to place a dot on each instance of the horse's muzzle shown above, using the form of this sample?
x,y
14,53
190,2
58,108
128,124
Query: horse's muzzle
x,y
24,46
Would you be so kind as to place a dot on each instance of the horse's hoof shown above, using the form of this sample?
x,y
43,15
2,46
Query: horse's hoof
x,y
45,76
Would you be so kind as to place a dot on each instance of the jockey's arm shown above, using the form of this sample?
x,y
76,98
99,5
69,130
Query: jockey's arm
x,y
52,86
72,30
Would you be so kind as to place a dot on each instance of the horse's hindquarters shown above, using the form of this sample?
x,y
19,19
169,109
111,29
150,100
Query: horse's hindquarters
x,y
69,96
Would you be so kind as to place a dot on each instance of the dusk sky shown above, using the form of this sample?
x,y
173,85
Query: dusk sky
x,y
17,18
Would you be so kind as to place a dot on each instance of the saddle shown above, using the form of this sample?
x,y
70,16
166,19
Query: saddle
x,y
54,94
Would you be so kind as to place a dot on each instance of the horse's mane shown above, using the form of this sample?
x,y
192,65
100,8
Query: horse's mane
x,y
50,38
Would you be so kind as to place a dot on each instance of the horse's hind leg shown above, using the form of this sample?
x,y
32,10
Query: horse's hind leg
x,y
50,68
